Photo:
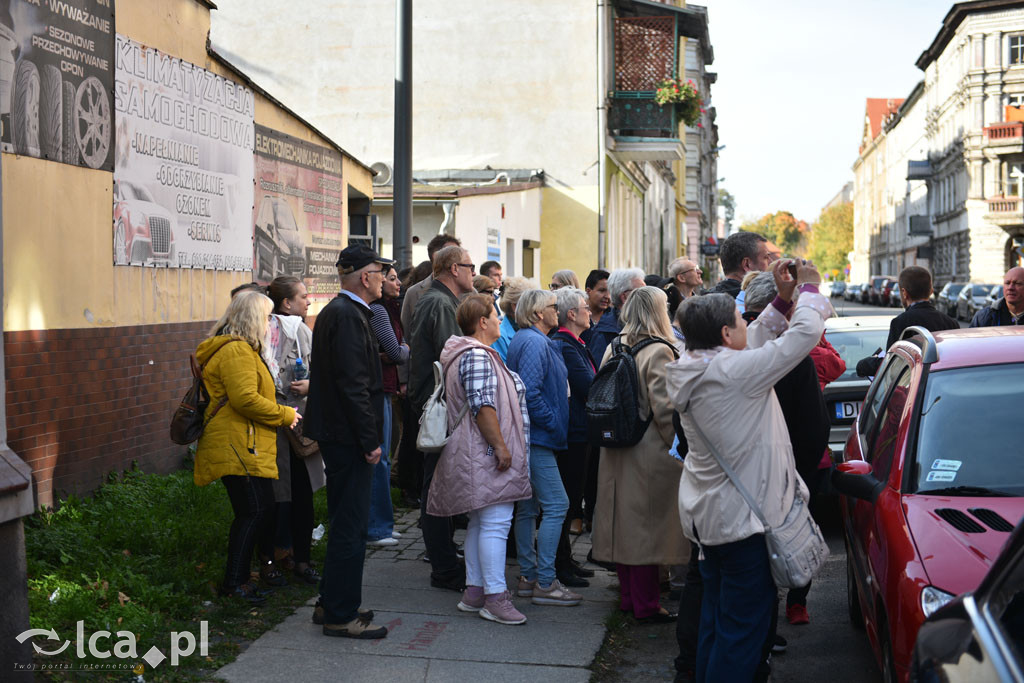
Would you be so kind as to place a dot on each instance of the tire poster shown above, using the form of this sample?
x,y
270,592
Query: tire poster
x,y
297,212
56,80
183,169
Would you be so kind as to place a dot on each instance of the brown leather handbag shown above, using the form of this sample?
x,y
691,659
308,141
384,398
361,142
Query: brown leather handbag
x,y
302,446
190,417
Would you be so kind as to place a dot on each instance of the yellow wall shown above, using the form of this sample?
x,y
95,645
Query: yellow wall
x,y
568,231
58,218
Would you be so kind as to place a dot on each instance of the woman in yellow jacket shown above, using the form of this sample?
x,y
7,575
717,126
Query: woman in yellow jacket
x,y
239,443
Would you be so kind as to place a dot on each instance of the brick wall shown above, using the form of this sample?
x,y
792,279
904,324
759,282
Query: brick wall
x,y
82,403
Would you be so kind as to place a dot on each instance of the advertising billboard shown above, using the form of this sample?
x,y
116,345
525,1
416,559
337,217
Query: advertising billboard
x,y
183,170
298,211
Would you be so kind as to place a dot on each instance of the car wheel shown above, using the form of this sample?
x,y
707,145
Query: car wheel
x,y
25,109
120,245
92,121
852,596
51,113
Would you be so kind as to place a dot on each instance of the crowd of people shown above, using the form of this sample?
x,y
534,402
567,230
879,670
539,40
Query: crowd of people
x,y
737,369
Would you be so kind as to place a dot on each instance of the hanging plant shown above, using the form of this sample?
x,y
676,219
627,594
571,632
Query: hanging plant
x,y
684,95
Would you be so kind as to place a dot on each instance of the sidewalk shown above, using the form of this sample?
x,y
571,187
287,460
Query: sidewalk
x,y
429,639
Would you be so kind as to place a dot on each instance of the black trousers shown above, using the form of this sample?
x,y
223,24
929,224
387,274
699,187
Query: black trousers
x,y
252,500
410,460
590,482
572,467
301,512
349,476
437,531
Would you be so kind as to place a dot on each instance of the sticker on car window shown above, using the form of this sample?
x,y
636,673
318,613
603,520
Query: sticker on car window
x,y
939,475
949,465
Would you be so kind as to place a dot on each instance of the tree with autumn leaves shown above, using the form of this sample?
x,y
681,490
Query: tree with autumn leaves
x,y
827,242
832,239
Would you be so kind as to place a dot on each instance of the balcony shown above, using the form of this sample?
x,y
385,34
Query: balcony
x,y
1005,138
1004,211
645,54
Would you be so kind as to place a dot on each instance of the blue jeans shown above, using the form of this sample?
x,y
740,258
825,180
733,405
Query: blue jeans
x,y
382,515
548,497
736,614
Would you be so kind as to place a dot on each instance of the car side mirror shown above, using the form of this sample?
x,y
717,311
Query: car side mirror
x,y
855,479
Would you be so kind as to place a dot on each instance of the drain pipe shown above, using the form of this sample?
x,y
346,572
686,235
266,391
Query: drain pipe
x,y
602,137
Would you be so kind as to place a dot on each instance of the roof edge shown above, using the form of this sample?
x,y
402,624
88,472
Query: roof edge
x,y
952,21
212,51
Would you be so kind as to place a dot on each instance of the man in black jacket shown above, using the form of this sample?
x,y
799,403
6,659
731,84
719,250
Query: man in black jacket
x,y
739,254
915,285
344,413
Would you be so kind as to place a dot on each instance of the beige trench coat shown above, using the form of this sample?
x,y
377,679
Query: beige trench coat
x,y
636,518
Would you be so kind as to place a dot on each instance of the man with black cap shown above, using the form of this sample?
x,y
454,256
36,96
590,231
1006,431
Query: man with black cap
x,y
344,413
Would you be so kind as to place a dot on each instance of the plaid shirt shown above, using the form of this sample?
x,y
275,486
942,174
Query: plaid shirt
x,y
481,384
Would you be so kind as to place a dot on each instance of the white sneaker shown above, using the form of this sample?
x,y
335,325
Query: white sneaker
x,y
382,542
396,534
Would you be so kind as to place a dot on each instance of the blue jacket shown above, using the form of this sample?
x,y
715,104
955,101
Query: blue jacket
x,y
539,364
607,328
508,329
995,315
580,366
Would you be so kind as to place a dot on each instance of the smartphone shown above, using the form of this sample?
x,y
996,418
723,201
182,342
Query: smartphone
x,y
791,267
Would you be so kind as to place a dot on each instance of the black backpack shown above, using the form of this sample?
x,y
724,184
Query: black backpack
x,y
190,417
613,418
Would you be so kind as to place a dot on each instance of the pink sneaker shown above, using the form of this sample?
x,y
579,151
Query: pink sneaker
x,y
472,599
498,607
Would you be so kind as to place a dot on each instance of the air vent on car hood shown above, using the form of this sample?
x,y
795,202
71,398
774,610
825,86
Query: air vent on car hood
x,y
960,521
991,519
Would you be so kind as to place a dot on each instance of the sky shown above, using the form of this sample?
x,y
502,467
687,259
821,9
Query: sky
x,y
793,77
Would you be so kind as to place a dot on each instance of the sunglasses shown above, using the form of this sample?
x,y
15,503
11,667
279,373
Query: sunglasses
x,y
471,266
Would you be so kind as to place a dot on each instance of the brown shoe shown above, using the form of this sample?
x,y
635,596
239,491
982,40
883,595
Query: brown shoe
x,y
357,628
318,613
576,527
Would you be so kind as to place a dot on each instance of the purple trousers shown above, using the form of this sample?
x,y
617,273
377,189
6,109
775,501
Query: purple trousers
x,y
639,589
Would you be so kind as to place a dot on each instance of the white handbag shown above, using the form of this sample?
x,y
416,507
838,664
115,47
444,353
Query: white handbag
x,y
796,548
433,434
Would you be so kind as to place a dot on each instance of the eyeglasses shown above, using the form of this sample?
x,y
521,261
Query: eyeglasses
x,y
555,306
487,291
471,266
690,270
554,286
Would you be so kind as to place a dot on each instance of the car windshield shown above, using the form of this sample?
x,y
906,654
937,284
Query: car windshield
x,y
953,290
982,290
854,345
129,191
284,217
969,431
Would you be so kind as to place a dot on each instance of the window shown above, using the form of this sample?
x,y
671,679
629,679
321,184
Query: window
x,y
879,392
883,448
1017,49
1015,100
1014,180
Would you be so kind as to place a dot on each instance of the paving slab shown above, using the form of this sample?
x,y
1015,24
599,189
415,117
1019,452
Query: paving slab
x,y
442,671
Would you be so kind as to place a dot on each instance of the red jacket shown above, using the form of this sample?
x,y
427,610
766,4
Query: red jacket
x,y
827,362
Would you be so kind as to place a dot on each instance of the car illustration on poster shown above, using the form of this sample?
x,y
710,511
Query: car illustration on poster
x,y
279,247
142,228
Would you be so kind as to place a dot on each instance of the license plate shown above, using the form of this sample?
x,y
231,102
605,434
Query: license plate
x,y
847,410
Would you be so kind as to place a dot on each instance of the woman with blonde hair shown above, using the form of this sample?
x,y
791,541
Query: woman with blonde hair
x,y
636,524
511,289
564,278
239,444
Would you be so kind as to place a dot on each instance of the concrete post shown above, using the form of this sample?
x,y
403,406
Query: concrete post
x,y
15,502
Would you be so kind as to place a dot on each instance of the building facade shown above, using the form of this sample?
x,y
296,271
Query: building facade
x,y
953,163
495,87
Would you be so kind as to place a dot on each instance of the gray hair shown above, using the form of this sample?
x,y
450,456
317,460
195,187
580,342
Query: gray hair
x,y
566,278
701,318
568,299
621,281
760,292
676,266
530,306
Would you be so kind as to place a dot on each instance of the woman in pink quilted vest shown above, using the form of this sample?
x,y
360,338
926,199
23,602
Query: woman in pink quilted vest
x,y
483,469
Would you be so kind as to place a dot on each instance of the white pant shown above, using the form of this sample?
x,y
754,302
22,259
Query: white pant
x,y
486,538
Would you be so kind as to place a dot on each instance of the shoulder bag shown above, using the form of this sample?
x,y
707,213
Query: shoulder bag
x,y
433,434
796,548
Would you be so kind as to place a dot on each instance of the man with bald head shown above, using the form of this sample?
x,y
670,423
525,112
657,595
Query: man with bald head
x,y
685,276
1009,310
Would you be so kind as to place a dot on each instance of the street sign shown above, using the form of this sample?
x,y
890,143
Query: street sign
x,y
709,249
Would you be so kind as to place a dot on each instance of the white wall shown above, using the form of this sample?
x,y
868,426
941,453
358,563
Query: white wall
x,y
477,215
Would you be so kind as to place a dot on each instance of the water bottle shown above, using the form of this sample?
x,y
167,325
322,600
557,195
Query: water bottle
x,y
301,372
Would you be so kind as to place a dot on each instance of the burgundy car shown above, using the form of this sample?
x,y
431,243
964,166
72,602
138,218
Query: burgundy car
x,y
932,480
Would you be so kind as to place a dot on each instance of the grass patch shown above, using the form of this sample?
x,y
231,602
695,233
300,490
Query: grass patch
x,y
616,641
144,554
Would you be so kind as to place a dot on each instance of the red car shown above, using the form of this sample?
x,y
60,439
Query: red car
x,y
932,481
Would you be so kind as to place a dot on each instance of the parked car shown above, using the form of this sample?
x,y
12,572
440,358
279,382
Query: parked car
x,y
945,301
995,295
891,294
855,337
837,288
279,247
972,298
876,285
143,231
979,636
927,501
852,292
